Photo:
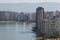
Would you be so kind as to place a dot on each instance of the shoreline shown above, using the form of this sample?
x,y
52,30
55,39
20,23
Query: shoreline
x,y
17,21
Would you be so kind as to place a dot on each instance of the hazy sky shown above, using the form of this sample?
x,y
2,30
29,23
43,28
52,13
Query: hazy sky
x,y
24,5
28,1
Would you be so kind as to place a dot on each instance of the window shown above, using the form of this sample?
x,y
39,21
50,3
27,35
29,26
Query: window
x,y
53,21
57,16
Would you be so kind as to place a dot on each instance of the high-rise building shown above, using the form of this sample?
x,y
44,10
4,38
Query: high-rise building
x,y
2,15
33,17
52,26
57,22
40,21
49,14
21,16
57,13
30,17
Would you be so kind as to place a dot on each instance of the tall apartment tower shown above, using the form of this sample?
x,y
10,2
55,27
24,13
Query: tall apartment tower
x,y
40,21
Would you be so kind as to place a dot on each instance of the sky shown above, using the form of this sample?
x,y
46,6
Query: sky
x,y
28,1
24,5
28,7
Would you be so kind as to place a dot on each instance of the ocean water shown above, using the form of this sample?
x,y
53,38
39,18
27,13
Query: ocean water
x,y
16,31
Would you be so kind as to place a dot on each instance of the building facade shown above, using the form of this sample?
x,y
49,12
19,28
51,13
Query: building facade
x,y
52,26
2,15
40,21
57,13
33,17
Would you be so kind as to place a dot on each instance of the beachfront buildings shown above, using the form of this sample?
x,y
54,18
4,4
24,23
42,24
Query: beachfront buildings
x,y
40,21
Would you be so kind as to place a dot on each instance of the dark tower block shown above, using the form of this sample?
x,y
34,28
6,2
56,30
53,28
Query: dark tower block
x,y
40,29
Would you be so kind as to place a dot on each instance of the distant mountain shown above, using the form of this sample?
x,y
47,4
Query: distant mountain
x,y
28,7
